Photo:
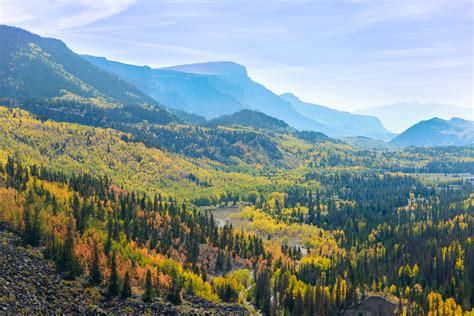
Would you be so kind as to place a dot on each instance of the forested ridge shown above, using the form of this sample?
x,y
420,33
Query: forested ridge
x,y
316,236
38,68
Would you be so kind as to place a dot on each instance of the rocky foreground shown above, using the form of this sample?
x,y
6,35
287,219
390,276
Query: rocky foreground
x,y
29,284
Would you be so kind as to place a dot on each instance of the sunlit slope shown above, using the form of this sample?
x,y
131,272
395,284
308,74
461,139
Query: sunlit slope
x,y
75,148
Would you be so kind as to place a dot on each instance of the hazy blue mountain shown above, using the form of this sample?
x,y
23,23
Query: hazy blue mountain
x,y
347,124
398,117
210,90
234,80
193,93
437,132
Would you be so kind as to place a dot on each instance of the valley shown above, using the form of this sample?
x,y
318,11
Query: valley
x,y
221,233
193,189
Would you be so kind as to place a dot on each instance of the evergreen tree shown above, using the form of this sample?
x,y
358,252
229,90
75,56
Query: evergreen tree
x,y
299,308
113,289
148,295
174,295
68,262
95,274
31,235
220,261
126,287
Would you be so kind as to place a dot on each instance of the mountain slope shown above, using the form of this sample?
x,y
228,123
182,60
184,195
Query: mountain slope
x,y
210,90
47,78
398,117
34,67
347,124
437,132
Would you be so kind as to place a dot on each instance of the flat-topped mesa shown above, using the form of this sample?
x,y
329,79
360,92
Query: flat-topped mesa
x,y
210,68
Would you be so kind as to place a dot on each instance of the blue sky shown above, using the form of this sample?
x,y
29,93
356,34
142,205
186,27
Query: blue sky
x,y
345,54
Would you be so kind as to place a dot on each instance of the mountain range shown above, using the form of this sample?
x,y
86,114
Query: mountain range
x,y
345,123
219,88
400,116
43,76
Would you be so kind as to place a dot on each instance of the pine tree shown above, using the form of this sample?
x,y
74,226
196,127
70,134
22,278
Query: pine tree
x,y
148,295
68,262
108,244
220,261
174,295
114,279
299,305
126,287
95,274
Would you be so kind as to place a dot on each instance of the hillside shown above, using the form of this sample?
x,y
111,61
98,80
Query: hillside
x,y
73,148
438,132
34,67
347,124
249,118
269,126
400,116
35,287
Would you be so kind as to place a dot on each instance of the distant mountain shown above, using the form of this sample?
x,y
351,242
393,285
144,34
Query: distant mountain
x,y
249,118
398,117
189,92
437,132
347,124
210,90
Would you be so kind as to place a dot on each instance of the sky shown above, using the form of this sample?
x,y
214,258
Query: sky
x,y
348,55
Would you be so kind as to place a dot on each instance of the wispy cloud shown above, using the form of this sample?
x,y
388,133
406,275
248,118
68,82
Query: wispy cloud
x,y
159,47
129,27
51,16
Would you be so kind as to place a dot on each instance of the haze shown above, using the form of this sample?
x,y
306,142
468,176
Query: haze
x,y
344,54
